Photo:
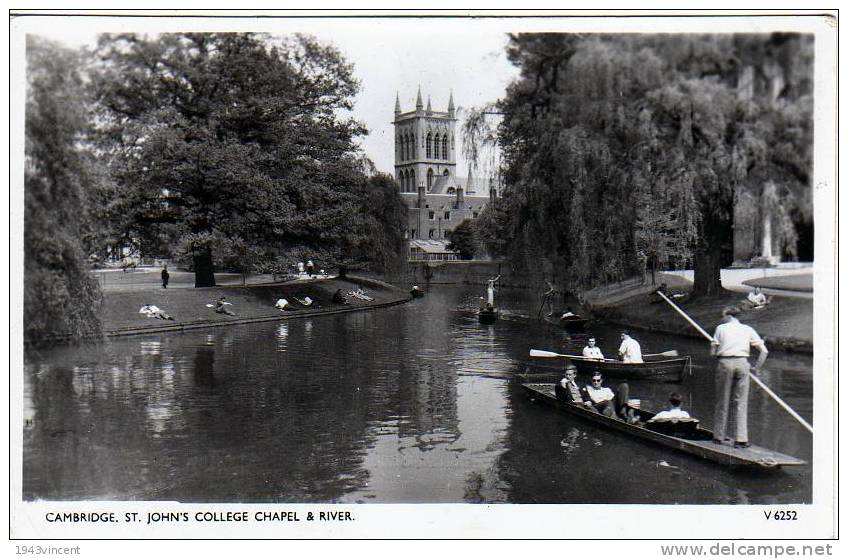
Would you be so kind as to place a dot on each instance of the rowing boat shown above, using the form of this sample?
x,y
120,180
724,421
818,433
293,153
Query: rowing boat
x,y
698,441
654,368
487,316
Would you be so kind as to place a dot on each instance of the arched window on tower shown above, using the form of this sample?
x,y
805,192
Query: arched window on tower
x,y
446,174
436,147
429,146
412,186
406,147
445,148
403,181
429,179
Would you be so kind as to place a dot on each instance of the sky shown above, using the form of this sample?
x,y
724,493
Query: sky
x,y
391,56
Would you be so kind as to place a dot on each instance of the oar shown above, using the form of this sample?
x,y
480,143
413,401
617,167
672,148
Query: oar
x,y
762,385
669,353
543,353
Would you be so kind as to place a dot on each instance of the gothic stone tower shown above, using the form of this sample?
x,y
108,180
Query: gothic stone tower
x,y
424,145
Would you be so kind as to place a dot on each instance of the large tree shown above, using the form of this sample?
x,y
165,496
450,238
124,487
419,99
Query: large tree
x,y
60,296
619,144
233,140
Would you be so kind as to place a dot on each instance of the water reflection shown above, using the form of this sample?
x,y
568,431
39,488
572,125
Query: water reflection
x,y
410,404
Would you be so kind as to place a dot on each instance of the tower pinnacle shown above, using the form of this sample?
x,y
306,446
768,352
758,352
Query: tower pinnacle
x,y
451,108
418,103
429,107
397,103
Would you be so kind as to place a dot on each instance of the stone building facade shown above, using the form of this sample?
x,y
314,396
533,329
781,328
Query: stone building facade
x,y
425,169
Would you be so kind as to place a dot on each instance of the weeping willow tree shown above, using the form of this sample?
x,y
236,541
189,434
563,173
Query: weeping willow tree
x,y
619,145
60,296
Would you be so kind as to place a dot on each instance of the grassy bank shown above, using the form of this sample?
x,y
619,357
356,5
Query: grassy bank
x,y
798,282
786,324
252,303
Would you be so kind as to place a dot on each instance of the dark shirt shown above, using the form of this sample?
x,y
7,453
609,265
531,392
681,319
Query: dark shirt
x,y
570,394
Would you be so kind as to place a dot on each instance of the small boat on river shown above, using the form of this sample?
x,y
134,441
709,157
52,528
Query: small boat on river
x,y
487,315
416,292
686,437
575,323
655,367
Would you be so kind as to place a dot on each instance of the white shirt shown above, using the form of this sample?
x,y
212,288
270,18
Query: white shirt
x,y
630,351
757,298
281,303
598,395
592,352
734,339
673,413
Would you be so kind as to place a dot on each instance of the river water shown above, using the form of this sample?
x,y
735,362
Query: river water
x,y
416,403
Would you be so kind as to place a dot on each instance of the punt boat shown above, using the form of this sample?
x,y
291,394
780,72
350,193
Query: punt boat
x,y
689,437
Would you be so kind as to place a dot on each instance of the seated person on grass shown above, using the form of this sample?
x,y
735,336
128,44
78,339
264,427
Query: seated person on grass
x,y
306,301
758,298
220,306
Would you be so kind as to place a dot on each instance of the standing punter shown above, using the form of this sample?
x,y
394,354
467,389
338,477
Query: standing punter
x,y
732,344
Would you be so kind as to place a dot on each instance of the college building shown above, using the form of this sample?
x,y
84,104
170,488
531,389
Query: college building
x,y
425,169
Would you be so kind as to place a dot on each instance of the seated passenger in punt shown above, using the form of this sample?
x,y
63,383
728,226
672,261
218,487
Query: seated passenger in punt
x,y
674,412
339,298
567,391
674,421
282,304
608,402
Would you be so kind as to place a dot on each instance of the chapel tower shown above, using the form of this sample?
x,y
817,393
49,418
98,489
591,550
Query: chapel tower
x,y
425,148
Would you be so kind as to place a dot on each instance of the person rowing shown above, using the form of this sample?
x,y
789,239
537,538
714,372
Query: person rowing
x,y
630,350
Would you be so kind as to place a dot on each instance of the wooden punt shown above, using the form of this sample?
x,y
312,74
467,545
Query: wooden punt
x,y
487,316
697,443
654,368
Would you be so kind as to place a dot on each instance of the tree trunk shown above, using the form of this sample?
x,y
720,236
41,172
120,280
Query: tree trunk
x,y
707,271
204,270
714,250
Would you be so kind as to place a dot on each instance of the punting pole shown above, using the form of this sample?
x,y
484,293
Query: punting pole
x,y
762,385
